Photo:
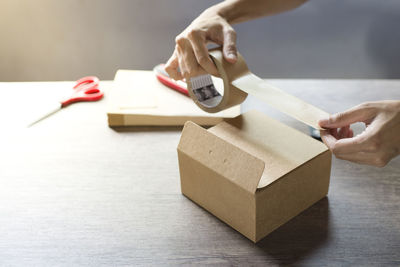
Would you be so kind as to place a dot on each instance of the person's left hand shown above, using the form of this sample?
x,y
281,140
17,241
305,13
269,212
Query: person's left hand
x,y
376,145
190,57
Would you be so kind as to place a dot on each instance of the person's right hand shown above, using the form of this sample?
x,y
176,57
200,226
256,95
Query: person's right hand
x,y
190,57
377,144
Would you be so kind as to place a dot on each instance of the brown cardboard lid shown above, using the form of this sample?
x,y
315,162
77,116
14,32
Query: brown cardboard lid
x,y
279,146
227,160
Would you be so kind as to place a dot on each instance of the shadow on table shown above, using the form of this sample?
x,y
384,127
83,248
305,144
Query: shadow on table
x,y
300,237
125,129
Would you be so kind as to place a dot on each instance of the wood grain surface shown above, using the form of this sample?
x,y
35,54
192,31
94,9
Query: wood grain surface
x,y
74,192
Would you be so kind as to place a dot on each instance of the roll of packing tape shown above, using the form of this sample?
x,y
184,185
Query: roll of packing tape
x,y
238,82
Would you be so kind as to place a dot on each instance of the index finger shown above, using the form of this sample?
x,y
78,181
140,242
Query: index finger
x,y
201,53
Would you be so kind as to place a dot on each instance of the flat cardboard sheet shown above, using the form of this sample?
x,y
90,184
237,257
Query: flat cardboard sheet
x,y
138,98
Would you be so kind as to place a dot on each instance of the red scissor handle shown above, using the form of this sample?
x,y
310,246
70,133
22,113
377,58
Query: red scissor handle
x,y
85,89
164,78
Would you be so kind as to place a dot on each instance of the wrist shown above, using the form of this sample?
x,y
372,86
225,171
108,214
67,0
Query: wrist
x,y
226,10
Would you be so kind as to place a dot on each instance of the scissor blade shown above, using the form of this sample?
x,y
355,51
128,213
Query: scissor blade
x,y
46,114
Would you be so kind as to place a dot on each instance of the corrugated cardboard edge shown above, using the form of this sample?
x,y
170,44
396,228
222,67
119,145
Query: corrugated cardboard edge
x,y
115,120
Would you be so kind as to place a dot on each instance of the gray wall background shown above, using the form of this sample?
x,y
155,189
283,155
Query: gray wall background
x,y
64,40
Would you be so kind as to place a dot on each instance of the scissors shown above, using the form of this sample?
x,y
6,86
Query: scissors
x,y
85,89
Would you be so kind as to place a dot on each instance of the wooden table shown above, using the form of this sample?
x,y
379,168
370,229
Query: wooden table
x,y
75,192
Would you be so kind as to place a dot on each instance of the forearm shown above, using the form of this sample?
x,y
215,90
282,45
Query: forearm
x,y
191,58
236,11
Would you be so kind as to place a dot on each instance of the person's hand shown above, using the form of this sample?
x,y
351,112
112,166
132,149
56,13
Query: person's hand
x,y
376,145
191,53
190,57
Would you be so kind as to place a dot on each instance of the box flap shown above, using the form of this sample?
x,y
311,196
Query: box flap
x,y
281,147
236,165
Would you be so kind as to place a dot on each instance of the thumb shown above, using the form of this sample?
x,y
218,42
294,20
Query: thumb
x,y
341,119
229,45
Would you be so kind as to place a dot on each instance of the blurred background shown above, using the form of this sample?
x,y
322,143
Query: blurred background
x,y
65,40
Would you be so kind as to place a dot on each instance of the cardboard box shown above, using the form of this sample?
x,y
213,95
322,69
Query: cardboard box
x,y
252,172
138,98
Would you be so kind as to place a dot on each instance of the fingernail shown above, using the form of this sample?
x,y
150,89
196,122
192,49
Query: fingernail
x,y
323,122
231,56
